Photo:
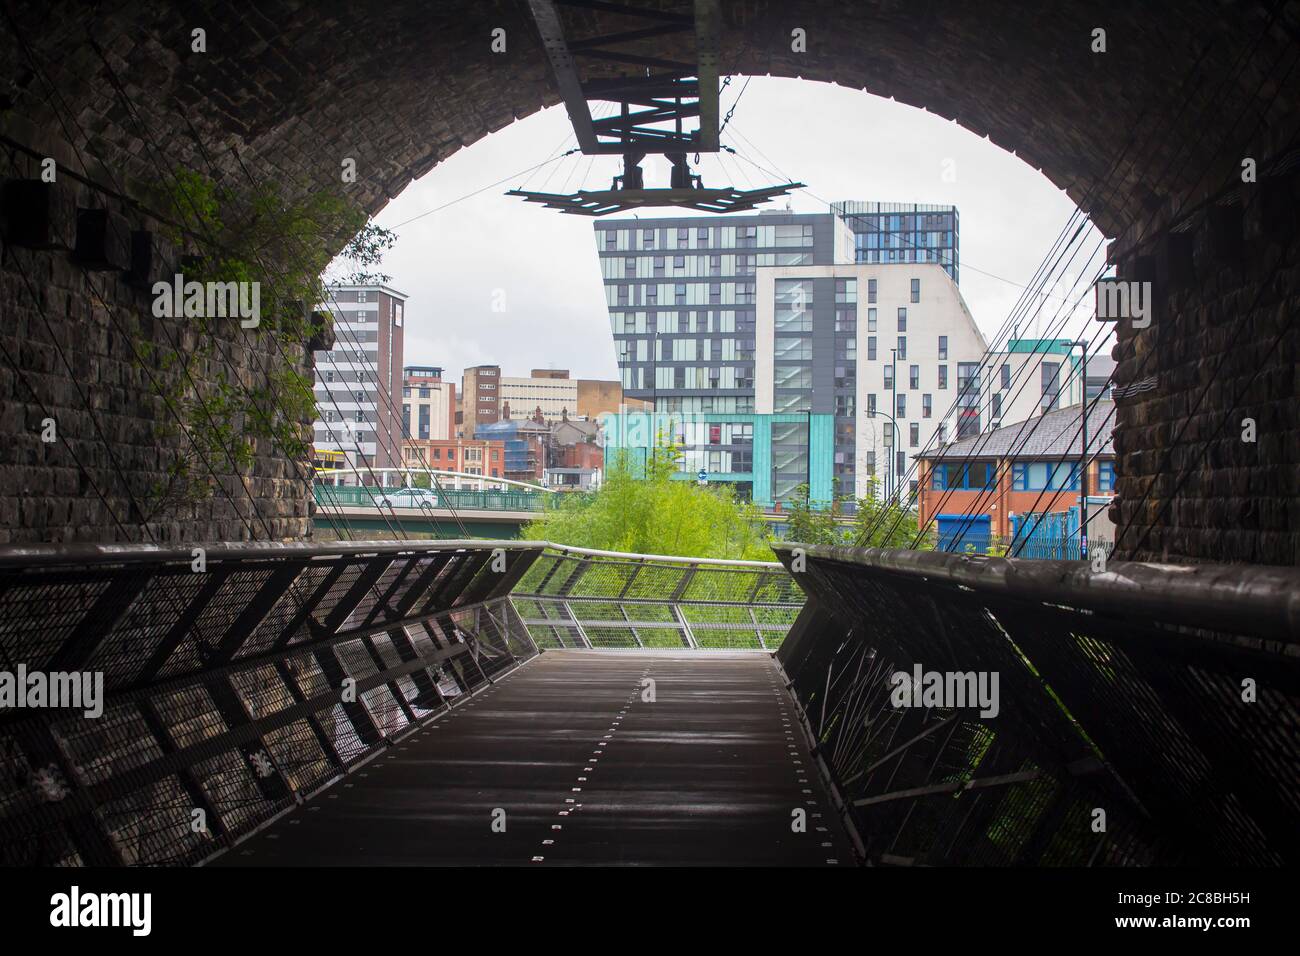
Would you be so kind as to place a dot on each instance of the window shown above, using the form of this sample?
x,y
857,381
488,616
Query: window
x,y
611,238
916,290
902,318
943,376
871,405
1045,476
900,463
1006,375
871,349
914,376
871,320
913,434
943,433
943,348
997,404
902,346
1051,385
889,376
927,405
647,238
901,410
871,290
963,476
659,265
361,296
1106,476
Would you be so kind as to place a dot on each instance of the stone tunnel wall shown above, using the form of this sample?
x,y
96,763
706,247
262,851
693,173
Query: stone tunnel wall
x,y
1207,439
82,458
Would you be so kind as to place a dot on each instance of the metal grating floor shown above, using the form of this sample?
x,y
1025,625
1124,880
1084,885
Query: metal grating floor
x,y
707,774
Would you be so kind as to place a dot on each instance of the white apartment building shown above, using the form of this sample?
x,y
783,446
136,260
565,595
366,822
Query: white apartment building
x,y
359,381
890,350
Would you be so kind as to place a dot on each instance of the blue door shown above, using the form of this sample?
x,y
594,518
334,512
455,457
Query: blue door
x,y
963,533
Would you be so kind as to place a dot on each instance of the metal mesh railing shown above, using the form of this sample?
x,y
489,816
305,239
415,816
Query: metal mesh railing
x,y
576,598
233,682
1147,715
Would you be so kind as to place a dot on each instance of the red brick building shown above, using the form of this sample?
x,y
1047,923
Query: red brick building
x,y
468,455
1026,467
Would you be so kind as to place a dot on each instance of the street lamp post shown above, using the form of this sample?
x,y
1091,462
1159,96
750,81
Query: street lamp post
x,y
889,462
893,407
1083,457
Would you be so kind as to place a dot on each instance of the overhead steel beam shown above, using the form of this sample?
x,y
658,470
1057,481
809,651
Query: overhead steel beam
x,y
678,90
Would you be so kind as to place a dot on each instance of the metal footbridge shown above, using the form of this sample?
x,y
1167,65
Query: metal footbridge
x,y
521,703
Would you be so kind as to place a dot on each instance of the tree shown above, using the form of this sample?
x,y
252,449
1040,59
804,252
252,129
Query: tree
x,y
657,514
809,525
886,524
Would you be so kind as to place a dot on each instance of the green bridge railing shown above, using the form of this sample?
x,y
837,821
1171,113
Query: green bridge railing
x,y
346,496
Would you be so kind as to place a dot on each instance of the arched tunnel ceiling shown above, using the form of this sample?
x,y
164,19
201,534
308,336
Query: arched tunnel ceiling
x,y
296,85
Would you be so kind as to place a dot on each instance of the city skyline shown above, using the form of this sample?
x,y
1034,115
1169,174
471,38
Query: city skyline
x,y
490,251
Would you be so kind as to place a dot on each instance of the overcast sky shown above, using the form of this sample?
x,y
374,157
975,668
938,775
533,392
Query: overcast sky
x,y
541,264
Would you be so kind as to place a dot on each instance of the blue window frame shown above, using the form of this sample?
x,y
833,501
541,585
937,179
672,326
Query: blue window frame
x,y
1106,476
963,476
1045,476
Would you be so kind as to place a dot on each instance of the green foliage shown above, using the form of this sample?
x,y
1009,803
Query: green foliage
x,y
808,524
887,524
250,235
657,515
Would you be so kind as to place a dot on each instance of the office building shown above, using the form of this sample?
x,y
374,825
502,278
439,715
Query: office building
x,y
428,404
888,352
1030,377
550,391
895,232
480,398
597,397
681,297
359,380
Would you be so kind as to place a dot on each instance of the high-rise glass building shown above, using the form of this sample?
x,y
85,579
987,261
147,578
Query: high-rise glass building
x,y
885,232
681,301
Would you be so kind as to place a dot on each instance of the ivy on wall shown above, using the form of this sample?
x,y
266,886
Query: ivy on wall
x,y
221,412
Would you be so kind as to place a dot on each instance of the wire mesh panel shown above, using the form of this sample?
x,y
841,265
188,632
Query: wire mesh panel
x,y
1119,733
574,598
218,692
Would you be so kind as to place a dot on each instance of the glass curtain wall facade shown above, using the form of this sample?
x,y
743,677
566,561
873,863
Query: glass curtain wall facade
x,y
680,294
904,232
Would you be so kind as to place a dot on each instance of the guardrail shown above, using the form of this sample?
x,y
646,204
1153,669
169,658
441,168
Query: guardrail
x,y
235,680
355,496
1144,715
238,679
573,597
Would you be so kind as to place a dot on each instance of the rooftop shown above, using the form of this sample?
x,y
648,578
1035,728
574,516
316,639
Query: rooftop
x,y
1054,435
